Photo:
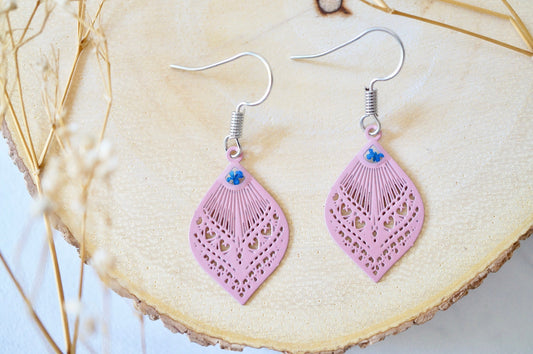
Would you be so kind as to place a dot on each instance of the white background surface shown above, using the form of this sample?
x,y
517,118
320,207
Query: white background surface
x,y
495,318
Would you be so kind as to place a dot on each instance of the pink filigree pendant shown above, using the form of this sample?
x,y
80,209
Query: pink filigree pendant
x,y
374,211
239,233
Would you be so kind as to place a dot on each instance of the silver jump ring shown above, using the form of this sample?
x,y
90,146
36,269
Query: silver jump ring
x,y
377,123
227,141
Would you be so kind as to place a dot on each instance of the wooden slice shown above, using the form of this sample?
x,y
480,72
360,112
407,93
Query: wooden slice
x,y
457,119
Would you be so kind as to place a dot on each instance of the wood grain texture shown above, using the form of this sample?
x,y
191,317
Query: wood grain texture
x,y
457,119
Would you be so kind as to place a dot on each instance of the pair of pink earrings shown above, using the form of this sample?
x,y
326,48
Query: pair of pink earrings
x,y
239,234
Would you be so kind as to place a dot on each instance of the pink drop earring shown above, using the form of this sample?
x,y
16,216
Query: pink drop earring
x,y
374,211
238,233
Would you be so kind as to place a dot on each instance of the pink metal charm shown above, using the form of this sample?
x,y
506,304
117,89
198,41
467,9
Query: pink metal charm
x,y
239,233
374,211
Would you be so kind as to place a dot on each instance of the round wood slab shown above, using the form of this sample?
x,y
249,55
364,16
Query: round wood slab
x,y
457,119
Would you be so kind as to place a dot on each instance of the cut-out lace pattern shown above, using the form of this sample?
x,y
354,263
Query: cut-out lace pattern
x,y
374,211
239,234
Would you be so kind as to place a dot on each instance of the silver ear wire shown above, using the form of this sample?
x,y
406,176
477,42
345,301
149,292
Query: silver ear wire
x,y
370,92
237,117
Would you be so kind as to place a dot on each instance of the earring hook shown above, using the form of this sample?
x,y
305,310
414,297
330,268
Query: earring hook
x,y
359,36
237,56
237,116
371,108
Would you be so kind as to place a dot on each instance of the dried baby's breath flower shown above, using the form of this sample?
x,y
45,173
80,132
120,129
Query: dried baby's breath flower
x,y
8,5
102,262
87,157
107,161
43,64
41,205
60,115
84,160
61,3
73,307
88,327
66,131
65,6
52,177
104,151
87,153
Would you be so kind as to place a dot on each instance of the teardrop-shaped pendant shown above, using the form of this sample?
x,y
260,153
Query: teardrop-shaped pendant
x,y
374,211
239,233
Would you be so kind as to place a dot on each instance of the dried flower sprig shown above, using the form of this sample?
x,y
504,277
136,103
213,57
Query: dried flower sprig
x,y
30,308
513,18
92,159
